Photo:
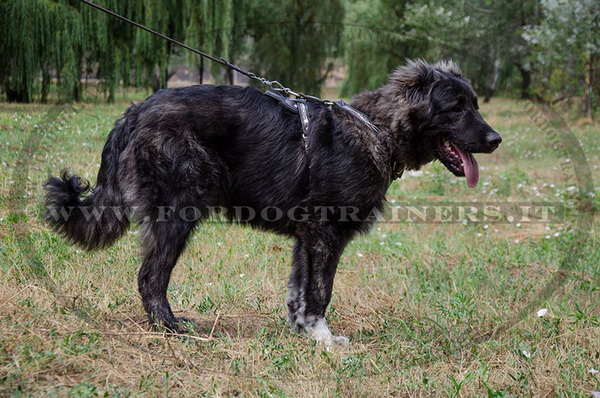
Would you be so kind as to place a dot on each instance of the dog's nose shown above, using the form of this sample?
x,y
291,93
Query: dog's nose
x,y
493,139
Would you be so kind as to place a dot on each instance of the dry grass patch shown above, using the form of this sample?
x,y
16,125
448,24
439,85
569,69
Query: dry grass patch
x,y
431,309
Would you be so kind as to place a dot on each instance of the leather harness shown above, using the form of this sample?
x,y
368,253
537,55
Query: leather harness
x,y
299,107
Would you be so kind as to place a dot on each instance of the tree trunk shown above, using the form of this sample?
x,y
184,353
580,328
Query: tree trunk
x,y
229,74
525,82
111,95
77,86
491,89
77,89
589,89
77,92
201,71
157,84
46,80
18,95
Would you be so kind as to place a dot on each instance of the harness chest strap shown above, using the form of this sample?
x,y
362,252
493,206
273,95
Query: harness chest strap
x,y
299,106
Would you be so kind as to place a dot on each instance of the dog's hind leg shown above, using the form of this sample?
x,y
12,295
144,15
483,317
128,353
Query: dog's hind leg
x,y
173,181
163,242
316,255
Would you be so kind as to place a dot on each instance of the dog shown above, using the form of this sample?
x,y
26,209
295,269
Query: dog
x,y
184,152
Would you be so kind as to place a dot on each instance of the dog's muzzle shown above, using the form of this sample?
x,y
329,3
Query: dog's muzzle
x,y
493,140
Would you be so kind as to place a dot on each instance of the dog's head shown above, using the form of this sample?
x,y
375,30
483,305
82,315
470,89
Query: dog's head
x,y
444,107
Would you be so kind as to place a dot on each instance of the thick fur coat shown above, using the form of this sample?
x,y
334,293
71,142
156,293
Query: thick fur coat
x,y
182,154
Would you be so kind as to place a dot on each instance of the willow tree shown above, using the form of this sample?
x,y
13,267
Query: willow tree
x,y
61,40
65,39
108,44
152,54
378,38
218,28
123,53
36,38
295,42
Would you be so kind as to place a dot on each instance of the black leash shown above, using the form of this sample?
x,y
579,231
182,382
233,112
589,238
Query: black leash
x,y
274,84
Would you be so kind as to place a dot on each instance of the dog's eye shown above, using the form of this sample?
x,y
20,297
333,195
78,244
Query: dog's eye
x,y
456,109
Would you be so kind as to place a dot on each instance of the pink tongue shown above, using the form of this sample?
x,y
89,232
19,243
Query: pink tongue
x,y
470,166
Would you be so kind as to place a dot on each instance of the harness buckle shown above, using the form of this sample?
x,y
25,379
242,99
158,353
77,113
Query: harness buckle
x,y
304,120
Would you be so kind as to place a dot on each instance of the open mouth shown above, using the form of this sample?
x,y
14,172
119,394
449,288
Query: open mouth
x,y
460,163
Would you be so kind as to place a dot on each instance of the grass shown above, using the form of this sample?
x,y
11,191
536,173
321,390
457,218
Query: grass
x,y
432,309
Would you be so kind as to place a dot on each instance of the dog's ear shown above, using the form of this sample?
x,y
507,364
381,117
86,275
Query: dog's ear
x,y
448,66
413,80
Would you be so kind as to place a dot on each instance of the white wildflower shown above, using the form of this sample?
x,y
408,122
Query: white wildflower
x,y
542,312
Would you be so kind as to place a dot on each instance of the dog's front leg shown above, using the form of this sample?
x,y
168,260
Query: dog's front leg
x,y
315,260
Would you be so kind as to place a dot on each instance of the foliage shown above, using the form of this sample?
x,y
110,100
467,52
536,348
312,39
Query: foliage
x,y
67,40
378,38
482,36
566,50
217,27
295,42
549,48
36,38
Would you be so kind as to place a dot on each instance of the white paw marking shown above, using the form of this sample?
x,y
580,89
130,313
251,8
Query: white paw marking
x,y
341,340
321,333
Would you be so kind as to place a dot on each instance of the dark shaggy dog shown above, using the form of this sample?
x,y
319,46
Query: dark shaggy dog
x,y
184,152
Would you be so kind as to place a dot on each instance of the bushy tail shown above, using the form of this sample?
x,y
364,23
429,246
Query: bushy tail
x,y
93,221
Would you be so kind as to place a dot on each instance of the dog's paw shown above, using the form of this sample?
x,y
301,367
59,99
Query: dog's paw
x,y
341,340
321,333
185,325
178,325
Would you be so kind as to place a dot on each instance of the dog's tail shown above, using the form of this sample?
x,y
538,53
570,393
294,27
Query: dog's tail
x,y
98,219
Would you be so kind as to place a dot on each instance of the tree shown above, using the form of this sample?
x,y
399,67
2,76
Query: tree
x,y
108,43
567,51
65,38
217,27
378,38
36,38
295,42
153,54
483,36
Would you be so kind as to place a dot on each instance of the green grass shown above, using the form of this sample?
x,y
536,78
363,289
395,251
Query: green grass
x,y
431,309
